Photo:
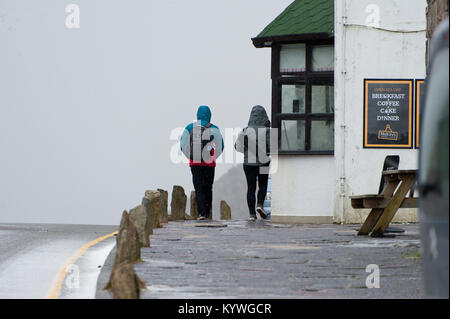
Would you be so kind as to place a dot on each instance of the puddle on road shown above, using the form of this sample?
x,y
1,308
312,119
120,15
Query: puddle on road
x,y
187,292
384,243
288,247
165,264
195,236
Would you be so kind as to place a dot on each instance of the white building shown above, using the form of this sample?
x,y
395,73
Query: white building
x,y
325,55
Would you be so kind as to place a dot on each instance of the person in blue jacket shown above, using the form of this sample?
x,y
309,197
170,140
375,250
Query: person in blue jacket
x,y
202,168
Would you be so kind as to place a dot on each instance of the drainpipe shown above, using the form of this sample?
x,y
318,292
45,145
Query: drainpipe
x,y
342,124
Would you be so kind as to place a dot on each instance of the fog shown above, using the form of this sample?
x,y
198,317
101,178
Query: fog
x,y
86,114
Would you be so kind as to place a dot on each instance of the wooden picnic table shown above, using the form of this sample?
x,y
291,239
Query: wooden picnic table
x,y
386,204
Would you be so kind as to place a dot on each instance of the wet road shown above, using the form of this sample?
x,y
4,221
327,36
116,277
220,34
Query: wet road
x,y
254,260
33,257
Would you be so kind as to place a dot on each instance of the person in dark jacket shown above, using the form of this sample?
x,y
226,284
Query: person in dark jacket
x,y
254,142
203,163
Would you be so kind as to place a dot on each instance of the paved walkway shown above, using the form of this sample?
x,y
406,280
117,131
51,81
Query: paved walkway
x,y
264,260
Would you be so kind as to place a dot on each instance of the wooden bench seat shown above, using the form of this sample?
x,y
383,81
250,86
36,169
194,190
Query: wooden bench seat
x,y
367,196
379,201
384,205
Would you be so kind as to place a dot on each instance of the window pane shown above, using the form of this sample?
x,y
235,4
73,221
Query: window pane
x,y
293,98
322,99
292,135
293,58
323,58
322,135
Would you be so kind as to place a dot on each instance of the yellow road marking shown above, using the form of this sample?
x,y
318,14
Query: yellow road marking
x,y
57,282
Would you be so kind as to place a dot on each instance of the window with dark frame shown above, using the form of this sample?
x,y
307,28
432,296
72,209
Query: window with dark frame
x,y
303,97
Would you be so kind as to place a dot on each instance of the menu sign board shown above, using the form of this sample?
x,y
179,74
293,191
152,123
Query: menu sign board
x,y
388,113
420,99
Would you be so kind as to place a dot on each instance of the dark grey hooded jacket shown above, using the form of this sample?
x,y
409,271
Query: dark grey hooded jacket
x,y
254,140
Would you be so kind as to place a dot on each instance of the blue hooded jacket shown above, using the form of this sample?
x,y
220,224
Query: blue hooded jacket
x,y
204,116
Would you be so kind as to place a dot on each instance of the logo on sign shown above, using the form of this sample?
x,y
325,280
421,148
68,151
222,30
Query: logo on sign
x,y
387,134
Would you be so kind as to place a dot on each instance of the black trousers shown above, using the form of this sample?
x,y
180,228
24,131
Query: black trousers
x,y
252,175
203,179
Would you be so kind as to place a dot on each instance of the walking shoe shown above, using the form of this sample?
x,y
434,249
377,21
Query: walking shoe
x,y
201,218
252,218
261,211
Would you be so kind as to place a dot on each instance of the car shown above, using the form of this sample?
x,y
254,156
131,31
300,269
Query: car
x,y
267,205
434,169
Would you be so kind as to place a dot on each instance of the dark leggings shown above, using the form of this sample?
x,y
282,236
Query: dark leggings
x,y
203,179
253,175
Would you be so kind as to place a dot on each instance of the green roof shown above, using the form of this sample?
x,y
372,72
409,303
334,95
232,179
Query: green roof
x,y
303,17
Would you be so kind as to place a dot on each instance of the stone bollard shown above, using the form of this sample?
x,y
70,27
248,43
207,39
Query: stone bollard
x,y
210,216
141,218
194,207
225,210
152,202
124,283
178,204
164,197
127,241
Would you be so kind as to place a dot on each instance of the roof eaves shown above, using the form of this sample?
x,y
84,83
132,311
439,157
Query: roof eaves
x,y
264,42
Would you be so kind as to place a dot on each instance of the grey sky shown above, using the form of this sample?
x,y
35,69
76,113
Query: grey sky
x,y
85,114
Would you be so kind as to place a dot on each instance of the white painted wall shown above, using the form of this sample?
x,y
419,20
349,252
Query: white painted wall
x,y
303,186
395,49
